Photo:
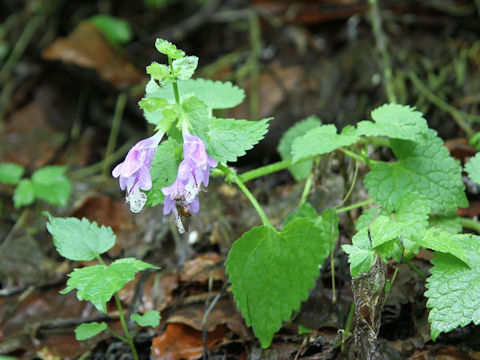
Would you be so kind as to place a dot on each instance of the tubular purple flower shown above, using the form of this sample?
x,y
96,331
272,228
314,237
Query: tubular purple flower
x,y
193,171
134,171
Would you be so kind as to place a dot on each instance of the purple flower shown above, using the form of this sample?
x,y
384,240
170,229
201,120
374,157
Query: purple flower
x,y
134,172
193,171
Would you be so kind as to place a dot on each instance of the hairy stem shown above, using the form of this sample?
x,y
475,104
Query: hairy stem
x,y
470,224
231,175
128,337
348,325
355,206
175,86
265,170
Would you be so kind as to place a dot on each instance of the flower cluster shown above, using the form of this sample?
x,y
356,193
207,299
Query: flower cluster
x,y
182,196
193,171
134,171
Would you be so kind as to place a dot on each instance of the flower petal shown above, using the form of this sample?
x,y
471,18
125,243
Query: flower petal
x,y
117,170
144,179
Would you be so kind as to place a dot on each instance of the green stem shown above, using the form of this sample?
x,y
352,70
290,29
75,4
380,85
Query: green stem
x,y
381,42
175,86
470,224
117,120
457,115
348,325
332,271
417,270
231,175
285,164
356,156
128,336
352,185
92,169
114,333
21,44
389,284
306,189
124,326
355,206
265,170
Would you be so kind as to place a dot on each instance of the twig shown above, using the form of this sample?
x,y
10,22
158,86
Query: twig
x,y
209,308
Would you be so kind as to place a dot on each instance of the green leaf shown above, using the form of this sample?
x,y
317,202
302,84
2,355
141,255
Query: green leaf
x,y
326,224
395,121
472,168
80,240
150,318
453,289
116,30
11,173
164,169
410,220
158,72
51,185
167,48
272,272
214,94
224,139
322,140
98,283
87,330
425,168
451,225
302,170
152,104
304,211
361,255
24,194
185,67
303,330
439,240
383,230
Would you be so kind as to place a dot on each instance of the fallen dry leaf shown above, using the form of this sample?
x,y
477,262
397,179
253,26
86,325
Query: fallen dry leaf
x,y
156,293
105,211
223,313
202,267
29,140
87,47
180,341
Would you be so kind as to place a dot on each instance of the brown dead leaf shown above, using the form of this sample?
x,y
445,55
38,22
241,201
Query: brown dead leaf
x,y
202,267
105,211
472,210
460,149
29,139
87,47
156,293
223,313
21,317
182,342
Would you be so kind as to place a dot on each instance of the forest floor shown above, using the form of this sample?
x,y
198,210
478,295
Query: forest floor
x,y
63,84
